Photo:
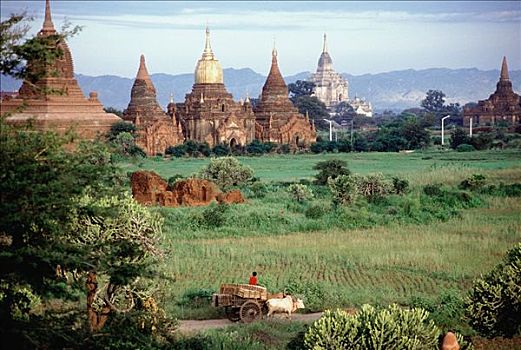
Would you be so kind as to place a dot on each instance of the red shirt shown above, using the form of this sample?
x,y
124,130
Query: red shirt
x,y
253,280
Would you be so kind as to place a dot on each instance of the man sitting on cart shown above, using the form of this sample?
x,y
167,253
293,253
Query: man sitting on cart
x,y
253,279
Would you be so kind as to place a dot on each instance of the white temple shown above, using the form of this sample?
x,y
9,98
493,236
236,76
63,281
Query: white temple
x,y
330,87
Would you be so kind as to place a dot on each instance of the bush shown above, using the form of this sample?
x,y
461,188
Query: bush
x,y
197,297
493,305
173,179
120,127
512,190
344,189
215,215
390,328
433,190
372,186
176,151
299,192
316,211
474,182
464,147
226,172
259,189
400,186
221,150
330,169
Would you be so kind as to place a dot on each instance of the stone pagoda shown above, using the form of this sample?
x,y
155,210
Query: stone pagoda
x,y
503,105
209,113
156,130
277,119
55,101
330,87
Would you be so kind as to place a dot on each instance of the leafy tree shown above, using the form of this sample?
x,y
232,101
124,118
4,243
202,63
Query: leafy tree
x,y
330,169
459,137
415,134
434,101
315,108
300,88
300,192
226,172
120,127
115,111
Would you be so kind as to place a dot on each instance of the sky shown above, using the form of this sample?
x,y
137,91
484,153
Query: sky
x,y
363,37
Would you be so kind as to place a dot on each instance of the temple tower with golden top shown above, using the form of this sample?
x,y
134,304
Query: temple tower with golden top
x,y
209,113
54,101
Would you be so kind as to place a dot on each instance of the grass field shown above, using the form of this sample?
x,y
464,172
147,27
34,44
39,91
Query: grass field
x,y
350,257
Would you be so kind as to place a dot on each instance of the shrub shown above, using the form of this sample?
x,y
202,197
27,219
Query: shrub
x,y
300,192
372,186
316,211
120,127
259,189
173,179
221,150
344,189
493,305
464,147
283,149
512,190
390,328
432,190
176,151
197,297
330,169
400,186
474,182
226,172
215,215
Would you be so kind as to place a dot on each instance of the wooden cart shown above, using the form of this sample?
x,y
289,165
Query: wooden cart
x,y
241,301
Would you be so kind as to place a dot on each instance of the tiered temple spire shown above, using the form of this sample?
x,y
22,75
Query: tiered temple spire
x,y
504,70
48,26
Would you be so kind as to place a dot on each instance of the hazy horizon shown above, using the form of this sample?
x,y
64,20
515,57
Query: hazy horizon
x,y
363,38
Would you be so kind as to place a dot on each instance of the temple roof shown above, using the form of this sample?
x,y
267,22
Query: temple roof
x,y
275,81
208,69
325,62
504,70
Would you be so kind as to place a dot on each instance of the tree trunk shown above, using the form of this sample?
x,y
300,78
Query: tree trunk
x,y
97,319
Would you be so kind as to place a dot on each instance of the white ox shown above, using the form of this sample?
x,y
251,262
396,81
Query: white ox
x,y
287,305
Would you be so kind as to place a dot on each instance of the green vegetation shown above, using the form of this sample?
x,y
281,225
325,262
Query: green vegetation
x,y
494,307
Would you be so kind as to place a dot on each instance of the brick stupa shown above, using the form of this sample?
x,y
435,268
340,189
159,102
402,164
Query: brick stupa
x,y
55,101
503,105
277,119
156,131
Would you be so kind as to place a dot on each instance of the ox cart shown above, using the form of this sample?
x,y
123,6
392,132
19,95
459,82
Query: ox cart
x,y
242,302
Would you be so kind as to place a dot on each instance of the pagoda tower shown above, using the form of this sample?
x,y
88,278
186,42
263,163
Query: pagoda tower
x,y
503,105
209,113
55,100
156,130
277,119
330,87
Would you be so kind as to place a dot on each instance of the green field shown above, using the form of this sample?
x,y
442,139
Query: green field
x,y
367,253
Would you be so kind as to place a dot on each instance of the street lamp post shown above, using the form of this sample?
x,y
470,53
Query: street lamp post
x,y
330,129
443,129
470,129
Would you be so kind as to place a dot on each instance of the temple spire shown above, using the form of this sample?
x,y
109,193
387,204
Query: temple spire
x,y
48,26
504,70
142,72
207,53
324,48
171,97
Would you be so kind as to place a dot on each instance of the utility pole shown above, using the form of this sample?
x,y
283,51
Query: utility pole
x,y
443,129
330,129
470,126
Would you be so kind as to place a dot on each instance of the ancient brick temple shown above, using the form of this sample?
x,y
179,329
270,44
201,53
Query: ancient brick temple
x,y
277,119
330,87
209,113
55,101
503,105
156,130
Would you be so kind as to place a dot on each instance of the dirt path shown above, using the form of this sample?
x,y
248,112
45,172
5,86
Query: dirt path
x,y
190,326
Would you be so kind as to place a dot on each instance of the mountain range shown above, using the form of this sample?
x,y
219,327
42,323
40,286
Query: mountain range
x,y
396,90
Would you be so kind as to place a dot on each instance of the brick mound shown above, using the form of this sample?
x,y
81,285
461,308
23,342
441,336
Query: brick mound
x,y
232,197
450,342
149,188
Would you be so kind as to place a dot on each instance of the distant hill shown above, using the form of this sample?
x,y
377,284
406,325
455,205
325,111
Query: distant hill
x,y
395,90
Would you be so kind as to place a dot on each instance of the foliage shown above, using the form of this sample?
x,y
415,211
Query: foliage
x,y
344,189
173,179
459,137
474,182
434,101
316,211
465,148
390,328
226,172
330,169
300,192
300,88
400,186
215,215
372,186
221,150
315,108
257,147
312,293
493,304
117,112
404,132
259,189
121,127
197,297
124,144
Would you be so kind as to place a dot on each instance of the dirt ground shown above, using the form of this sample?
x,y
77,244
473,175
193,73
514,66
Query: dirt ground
x,y
190,326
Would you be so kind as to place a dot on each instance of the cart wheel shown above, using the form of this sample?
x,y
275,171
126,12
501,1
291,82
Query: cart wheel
x,y
232,313
250,311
